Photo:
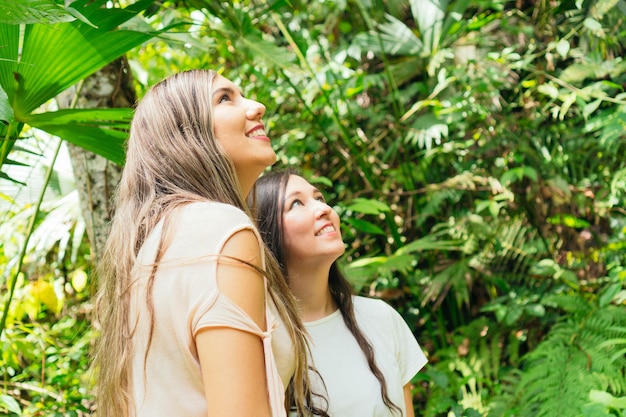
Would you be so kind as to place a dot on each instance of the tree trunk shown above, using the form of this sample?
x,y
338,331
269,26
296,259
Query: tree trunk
x,y
96,178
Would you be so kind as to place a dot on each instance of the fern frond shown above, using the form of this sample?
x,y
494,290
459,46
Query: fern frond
x,y
512,250
435,202
574,359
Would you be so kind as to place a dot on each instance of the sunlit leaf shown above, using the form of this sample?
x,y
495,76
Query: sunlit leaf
x,y
568,220
430,242
607,399
562,47
365,226
6,111
102,131
54,57
79,280
10,404
44,293
368,206
32,11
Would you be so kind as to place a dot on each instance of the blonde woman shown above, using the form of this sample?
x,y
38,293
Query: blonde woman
x,y
193,318
361,347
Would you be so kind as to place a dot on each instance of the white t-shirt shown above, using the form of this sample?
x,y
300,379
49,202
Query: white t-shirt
x,y
352,389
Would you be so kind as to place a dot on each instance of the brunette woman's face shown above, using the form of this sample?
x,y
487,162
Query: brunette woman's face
x,y
310,227
239,129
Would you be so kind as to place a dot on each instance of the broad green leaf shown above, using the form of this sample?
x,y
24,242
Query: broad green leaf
x,y
10,404
549,90
594,410
430,242
101,131
17,12
244,34
6,111
321,180
267,51
562,47
368,206
593,25
9,43
513,314
57,56
118,118
366,262
609,294
536,310
576,73
365,226
607,399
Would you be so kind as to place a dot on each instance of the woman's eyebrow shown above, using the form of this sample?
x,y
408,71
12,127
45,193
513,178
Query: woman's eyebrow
x,y
292,194
227,90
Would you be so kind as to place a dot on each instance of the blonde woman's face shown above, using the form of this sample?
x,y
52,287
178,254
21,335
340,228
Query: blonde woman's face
x,y
238,127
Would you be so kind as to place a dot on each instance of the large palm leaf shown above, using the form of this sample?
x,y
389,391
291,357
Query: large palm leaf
x,y
55,56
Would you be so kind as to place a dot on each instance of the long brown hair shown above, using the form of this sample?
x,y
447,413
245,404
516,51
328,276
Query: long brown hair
x,y
172,159
269,199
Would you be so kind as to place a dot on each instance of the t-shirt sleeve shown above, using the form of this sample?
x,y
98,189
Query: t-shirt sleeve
x,y
201,231
409,354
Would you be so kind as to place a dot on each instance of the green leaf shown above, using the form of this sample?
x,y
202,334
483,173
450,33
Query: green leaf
x,y
429,16
530,172
54,57
609,294
430,242
101,131
594,410
9,403
576,73
568,220
365,226
593,25
368,262
549,90
6,111
321,180
18,12
79,280
536,310
470,412
397,39
562,47
368,206
607,399
513,314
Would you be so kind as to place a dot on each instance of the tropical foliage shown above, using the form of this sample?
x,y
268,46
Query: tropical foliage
x,y
473,150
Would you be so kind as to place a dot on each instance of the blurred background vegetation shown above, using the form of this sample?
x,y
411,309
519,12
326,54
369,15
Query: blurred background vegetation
x,y
474,150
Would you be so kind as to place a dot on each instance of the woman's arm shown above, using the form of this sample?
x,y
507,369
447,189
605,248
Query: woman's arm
x,y
232,361
408,400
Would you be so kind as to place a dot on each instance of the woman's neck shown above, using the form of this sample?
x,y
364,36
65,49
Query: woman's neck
x,y
310,287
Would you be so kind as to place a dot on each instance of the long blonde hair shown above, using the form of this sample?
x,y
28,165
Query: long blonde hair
x,y
173,158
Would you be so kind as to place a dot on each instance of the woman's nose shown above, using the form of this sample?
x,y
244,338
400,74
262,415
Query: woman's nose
x,y
322,210
255,110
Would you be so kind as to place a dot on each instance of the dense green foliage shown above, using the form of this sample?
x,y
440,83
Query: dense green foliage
x,y
473,149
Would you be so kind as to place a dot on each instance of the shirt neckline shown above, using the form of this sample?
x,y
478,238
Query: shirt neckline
x,y
331,316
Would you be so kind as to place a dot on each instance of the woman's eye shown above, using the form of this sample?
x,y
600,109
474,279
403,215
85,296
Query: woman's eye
x,y
223,98
321,199
295,203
